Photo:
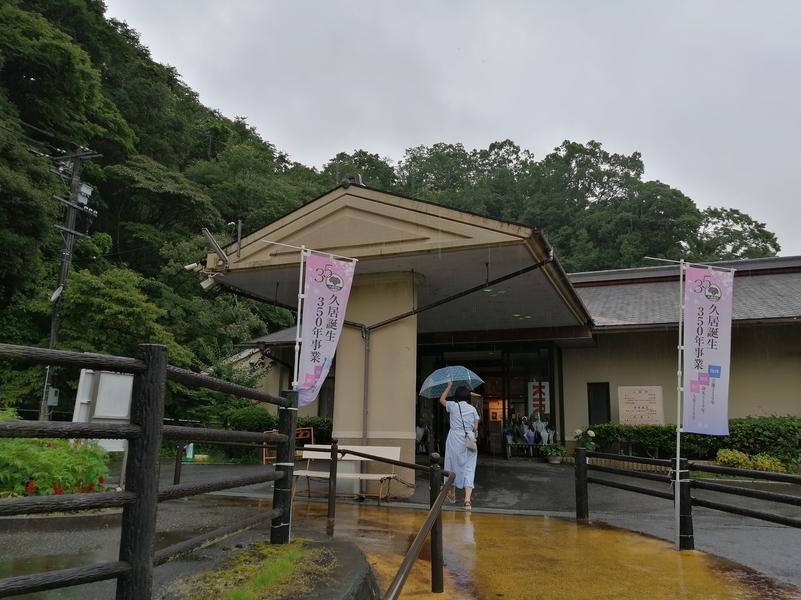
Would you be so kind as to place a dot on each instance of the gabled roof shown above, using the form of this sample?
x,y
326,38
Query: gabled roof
x,y
767,289
450,251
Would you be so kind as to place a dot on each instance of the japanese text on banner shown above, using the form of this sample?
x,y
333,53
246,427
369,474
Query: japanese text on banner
x,y
326,292
707,350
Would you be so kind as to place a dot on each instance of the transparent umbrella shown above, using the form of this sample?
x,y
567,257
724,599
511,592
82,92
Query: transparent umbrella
x,y
436,383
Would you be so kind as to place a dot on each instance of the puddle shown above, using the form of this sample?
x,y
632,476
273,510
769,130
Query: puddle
x,y
542,558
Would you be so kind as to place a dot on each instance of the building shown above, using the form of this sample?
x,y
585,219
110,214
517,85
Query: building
x,y
436,286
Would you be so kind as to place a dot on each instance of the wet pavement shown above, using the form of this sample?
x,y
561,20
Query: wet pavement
x,y
506,545
538,558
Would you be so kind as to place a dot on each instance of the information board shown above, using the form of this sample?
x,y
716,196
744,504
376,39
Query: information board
x,y
640,405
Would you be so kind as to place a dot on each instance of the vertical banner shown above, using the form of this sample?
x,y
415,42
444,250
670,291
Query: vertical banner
x,y
707,350
326,291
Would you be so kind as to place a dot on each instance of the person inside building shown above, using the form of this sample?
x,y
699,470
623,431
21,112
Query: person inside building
x,y
461,452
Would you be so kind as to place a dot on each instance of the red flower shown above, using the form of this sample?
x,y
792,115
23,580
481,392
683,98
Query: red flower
x,y
31,487
101,480
58,490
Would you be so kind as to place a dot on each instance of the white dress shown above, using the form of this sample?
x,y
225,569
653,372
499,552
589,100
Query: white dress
x,y
458,458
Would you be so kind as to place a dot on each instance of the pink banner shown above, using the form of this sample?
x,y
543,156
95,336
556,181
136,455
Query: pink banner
x,y
326,292
707,350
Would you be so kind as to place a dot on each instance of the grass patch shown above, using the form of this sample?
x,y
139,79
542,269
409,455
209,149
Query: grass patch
x,y
260,572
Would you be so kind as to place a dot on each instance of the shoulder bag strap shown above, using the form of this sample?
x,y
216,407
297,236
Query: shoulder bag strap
x,y
461,416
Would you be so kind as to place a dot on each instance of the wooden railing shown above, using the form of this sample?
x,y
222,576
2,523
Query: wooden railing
x,y
134,568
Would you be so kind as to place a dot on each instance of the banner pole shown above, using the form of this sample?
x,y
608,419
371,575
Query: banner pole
x,y
299,328
679,399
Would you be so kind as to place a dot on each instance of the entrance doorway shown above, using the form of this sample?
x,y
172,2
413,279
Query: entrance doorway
x,y
518,380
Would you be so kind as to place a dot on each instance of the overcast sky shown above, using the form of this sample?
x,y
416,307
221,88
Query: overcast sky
x,y
708,91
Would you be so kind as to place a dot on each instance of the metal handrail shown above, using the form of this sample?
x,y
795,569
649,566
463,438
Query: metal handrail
x,y
413,552
389,461
432,525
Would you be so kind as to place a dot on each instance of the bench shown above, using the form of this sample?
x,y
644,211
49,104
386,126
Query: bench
x,y
313,452
523,446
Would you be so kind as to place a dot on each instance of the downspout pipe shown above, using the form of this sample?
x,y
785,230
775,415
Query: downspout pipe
x,y
366,382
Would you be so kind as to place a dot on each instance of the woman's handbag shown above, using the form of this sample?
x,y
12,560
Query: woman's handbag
x,y
469,438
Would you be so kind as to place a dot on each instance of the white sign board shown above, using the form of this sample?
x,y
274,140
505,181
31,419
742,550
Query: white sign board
x,y
104,397
640,405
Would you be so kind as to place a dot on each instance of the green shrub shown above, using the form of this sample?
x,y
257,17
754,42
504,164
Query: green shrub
x,y
51,466
553,450
733,458
252,418
776,436
765,462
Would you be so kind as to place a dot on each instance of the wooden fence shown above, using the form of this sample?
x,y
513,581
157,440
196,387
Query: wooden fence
x,y
133,569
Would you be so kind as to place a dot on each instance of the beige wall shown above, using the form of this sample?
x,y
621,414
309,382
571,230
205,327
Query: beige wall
x,y
392,369
766,371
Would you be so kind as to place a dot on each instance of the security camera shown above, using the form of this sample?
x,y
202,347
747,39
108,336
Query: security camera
x,y
208,283
191,266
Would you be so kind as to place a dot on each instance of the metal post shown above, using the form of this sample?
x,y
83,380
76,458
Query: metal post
x,y
686,538
435,485
141,475
332,479
179,455
582,498
285,462
679,400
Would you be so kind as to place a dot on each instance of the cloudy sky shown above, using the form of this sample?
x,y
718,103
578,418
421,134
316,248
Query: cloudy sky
x,y
708,91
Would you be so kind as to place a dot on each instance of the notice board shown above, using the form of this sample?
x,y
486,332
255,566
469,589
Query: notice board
x,y
641,404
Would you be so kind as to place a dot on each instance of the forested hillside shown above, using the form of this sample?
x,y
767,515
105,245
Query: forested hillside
x,y
170,166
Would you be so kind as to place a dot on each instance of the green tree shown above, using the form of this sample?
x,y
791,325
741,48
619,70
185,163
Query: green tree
x,y
728,234
52,82
376,172
26,210
110,313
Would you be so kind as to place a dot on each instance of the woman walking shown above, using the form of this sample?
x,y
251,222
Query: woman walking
x,y
460,448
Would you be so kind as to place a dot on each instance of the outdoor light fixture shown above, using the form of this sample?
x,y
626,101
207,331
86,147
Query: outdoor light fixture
x,y
208,283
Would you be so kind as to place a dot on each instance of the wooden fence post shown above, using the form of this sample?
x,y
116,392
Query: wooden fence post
x,y
582,499
141,475
285,462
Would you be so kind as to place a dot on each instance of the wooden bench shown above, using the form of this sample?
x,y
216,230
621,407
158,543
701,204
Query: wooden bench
x,y
314,452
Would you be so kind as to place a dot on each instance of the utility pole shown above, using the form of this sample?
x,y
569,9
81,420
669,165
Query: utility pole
x,y
76,203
